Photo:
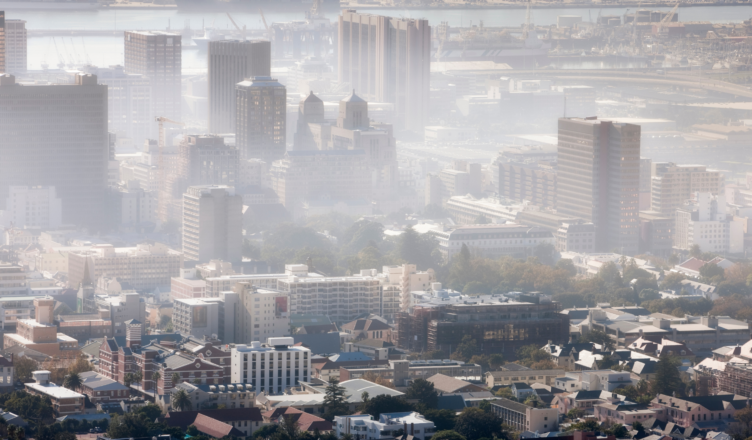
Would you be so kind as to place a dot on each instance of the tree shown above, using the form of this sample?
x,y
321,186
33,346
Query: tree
x,y
496,360
423,391
128,379
695,251
531,354
744,416
443,419
155,377
506,393
334,400
474,424
128,425
534,401
364,396
181,400
648,295
667,378
712,273
599,337
588,425
138,377
575,413
197,381
618,430
192,431
24,367
672,281
466,349
447,435
290,427
175,378
417,249
72,381
482,220
385,404
81,365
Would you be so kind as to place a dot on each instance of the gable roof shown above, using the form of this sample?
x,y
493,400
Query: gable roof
x,y
366,325
184,419
97,382
447,384
215,428
305,421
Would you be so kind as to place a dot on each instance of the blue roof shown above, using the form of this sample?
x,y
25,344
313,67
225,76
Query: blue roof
x,y
453,402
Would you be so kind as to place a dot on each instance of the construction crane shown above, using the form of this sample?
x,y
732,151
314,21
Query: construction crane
x,y
268,31
162,181
242,31
86,52
667,18
60,57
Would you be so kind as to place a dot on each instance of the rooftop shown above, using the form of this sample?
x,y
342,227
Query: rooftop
x,y
54,391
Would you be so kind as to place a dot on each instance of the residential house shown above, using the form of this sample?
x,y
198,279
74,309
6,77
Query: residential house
x,y
364,427
585,400
658,346
233,395
565,355
304,421
369,329
245,420
625,412
686,411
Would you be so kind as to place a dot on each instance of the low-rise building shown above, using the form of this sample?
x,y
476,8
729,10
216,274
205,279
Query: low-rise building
x,y
687,411
364,427
231,395
101,389
492,241
41,334
585,400
245,420
64,401
7,373
305,422
505,377
452,385
626,413
525,418
271,367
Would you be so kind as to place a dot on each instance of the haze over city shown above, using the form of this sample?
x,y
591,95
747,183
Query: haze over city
x,y
375,219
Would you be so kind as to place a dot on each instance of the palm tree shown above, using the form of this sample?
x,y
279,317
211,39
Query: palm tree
x,y
181,400
155,377
128,379
72,381
175,378
138,376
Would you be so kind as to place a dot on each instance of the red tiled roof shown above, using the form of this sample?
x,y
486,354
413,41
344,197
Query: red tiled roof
x,y
215,428
183,419
692,264
306,421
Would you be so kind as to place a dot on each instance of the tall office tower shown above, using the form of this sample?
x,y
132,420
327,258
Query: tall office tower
x,y
202,160
56,135
261,118
15,46
157,56
212,223
598,179
387,60
672,185
129,102
2,42
230,62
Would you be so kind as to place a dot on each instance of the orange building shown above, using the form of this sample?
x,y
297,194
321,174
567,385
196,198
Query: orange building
x,y
41,334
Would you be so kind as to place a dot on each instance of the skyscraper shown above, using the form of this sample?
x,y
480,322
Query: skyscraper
x,y
230,62
387,60
212,223
15,46
157,56
598,179
2,42
261,118
56,135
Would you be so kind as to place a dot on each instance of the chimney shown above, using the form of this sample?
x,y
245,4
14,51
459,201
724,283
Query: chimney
x,y
404,429
412,428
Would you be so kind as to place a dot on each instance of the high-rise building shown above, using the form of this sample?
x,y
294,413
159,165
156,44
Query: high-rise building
x,y
56,135
672,185
271,368
36,206
212,223
2,42
387,60
230,62
158,57
598,179
15,46
202,160
261,118
260,313
129,102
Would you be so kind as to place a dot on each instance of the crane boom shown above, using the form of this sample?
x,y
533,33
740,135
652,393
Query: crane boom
x,y
242,31
268,31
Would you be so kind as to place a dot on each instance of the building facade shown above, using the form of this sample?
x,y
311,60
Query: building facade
x,y
272,367
534,182
672,185
492,241
387,60
230,62
33,207
341,298
706,223
525,418
261,118
598,178
65,145
15,46
212,223
64,401
260,313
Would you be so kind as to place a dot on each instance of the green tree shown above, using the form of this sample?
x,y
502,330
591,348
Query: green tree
x,y
567,265
128,425
744,417
192,431
667,378
290,427
695,251
474,424
588,425
24,367
418,249
482,220
447,435
423,391
72,381
443,419
495,361
506,393
575,413
386,404
534,401
175,378
334,400
466,349
618,430
181,400
155,377
649,295
599,337
672,281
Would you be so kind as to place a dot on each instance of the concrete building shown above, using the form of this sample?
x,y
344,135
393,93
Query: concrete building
x,y
672,185
120,310
364,427
32,207
273,367
2,42
212,223
187,286
466,209
340,298
158,57
230,62
492,241
646,167
656,233
525,418
65,145
101,389
12,281
598,179
575,237
402,280
7,374
197,317
231,395
15,46
705,222
528,376
128,103
41,334
687,411
460,179
134,205
144,267
260,313
65,402
261,118
341,175
534,182
14,308
387,60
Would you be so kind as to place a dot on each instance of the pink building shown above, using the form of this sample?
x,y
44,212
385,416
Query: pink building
x,y
626,413
686,411
183,288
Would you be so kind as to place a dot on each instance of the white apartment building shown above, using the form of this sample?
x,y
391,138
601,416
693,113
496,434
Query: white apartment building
x,y
705,222
270,368
32,207
212,223
364,427
12,281
466,209
493,241
145,267
260,313
397,282
340,298
196,316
